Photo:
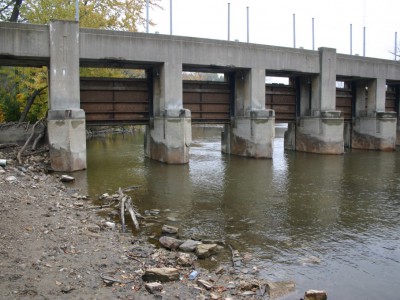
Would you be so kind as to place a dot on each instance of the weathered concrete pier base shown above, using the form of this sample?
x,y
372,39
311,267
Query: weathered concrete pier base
x,y
252,136
322,134
168,138
376,132
67,139
373,129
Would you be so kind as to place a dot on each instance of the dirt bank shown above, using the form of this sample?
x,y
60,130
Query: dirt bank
x,y
55,245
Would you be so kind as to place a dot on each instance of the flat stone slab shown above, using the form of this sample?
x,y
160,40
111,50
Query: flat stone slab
x,y
206,250
153,287
161,275
169,229
170,242
189,245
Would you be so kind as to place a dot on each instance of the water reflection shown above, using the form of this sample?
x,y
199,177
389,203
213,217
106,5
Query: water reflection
x,y
327,222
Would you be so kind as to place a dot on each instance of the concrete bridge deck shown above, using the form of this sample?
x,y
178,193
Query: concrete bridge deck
x,y
64,47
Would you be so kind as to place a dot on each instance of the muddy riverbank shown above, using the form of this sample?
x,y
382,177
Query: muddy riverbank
x,y
56,245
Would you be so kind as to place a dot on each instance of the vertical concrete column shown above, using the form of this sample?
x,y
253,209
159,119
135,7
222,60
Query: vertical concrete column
x,y
169,135
322,130
374,128
66,121
252,129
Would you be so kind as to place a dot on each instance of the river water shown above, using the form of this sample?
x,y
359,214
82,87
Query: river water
x,y
325,222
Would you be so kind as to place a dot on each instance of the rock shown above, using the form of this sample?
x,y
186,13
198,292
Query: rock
x,y
169,229
248,293
66,178
93,228
205,250
110,225
280,288
104,196
161,274
214,296
249,285
2,171
189,245
206,284
153,287
11,178
154,212
184,260
315,295
170,242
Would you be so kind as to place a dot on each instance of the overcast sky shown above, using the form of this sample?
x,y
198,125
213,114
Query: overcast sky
x,y
271,22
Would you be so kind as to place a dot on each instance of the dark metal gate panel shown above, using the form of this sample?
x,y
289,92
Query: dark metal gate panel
x,y
115,101
344,100
282,99
391,98
209,102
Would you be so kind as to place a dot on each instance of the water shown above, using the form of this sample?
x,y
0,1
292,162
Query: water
x,y
326,222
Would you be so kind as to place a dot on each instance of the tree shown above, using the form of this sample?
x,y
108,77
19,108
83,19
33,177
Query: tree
x,y
18,92
10,10
124,15
25,88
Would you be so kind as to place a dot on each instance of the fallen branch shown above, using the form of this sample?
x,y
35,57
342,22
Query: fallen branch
x,y
8,145
38,138
126,202
131,188
123,213
27,142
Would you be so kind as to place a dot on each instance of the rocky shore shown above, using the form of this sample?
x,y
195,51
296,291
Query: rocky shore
x,y
58,244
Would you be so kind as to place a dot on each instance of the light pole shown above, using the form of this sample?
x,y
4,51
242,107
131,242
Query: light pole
x,y
147,16
170,17
364,41
248,32
77,10
229,21
351,39
294,30
313,40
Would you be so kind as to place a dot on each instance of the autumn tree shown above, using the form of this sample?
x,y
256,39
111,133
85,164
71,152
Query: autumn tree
x,y
25,89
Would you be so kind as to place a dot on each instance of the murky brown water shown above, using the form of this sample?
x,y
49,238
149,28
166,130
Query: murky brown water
x,y
326,222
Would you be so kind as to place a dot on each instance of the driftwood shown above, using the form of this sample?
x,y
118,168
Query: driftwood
x,y
126,203
8,145
38,138
27,142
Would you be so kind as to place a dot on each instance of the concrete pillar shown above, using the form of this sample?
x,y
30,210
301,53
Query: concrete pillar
x,y
252,129
169,135
66,121
320,130
373,129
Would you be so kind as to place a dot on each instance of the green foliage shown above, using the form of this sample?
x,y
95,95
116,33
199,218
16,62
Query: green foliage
x,y
107,14
18,84
10,111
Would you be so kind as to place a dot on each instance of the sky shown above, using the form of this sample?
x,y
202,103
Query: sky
x,y
271,23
